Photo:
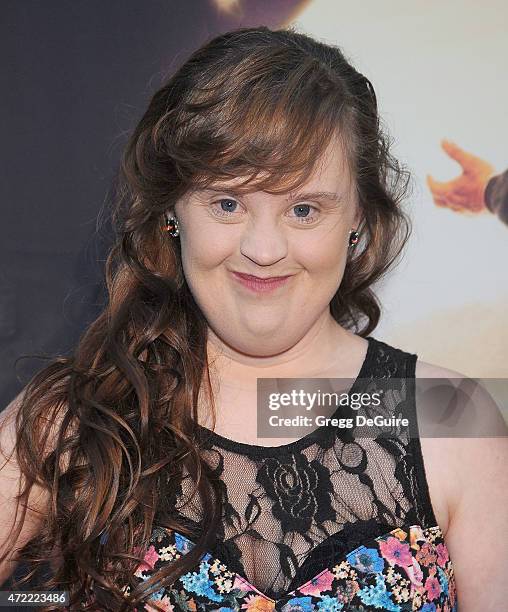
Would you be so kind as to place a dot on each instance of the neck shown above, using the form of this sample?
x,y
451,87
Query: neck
x,y
307,357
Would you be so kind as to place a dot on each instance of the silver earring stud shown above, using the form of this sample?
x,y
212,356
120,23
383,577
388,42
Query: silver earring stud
x,y
353,238
172,226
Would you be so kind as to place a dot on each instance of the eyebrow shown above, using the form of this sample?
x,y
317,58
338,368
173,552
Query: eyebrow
x,y
306,195
319,195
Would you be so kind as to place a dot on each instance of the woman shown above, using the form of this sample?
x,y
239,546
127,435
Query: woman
x,y
263,155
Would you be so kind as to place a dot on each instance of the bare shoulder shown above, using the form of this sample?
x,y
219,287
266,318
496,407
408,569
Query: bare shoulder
x,y
17,528
468,485
434,452
11,481
423,369
470,409
451,461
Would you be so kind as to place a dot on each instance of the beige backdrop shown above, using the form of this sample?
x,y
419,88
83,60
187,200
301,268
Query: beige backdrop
x,y
437,68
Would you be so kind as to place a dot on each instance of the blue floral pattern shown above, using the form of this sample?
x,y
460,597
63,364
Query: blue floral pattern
x,y
403,570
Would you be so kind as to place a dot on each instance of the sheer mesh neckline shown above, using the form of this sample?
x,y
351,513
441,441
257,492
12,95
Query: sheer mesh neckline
x,y
272,451
286,511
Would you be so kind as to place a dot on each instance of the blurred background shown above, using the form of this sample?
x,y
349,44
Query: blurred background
x,y
78,76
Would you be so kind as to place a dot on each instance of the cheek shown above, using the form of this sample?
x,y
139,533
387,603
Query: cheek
x,y
324,259
203,250
324,268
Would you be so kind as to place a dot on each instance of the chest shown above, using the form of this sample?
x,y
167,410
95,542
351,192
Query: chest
x,y
237,418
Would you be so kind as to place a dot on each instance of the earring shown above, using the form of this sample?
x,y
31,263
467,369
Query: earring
x,y
353,237
172,226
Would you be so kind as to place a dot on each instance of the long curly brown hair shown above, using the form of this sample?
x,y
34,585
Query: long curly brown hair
x,y
109,431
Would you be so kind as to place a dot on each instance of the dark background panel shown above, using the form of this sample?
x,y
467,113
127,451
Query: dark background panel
x,y
77,76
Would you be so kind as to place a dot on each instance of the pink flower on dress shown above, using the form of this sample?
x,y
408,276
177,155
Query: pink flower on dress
x,y
163,604
433,588
442,554
396,552
318,585
240,583
151,557
426,555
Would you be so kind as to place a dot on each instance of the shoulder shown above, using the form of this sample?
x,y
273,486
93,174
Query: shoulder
x,y
423,369
437,454
465,460
29,432
468,484
463,408
11,481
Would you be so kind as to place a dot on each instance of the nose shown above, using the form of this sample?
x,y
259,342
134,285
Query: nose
x,y
263,242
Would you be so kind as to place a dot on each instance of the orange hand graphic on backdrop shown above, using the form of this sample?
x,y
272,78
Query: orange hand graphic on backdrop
x,y
466,192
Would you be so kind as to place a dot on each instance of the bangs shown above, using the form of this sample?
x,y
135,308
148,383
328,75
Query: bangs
x,y
269,124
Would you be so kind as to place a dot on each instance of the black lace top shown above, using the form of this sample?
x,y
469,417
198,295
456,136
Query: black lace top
x,y
332,517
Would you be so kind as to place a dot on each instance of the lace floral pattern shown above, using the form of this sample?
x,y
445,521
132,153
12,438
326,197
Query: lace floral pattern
x,y
293,484
287,510
333,521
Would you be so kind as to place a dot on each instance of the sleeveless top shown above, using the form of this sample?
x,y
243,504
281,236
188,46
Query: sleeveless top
x,y
329,522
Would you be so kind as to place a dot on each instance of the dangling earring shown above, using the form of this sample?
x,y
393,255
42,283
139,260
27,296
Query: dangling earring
x,y
353,237
172,226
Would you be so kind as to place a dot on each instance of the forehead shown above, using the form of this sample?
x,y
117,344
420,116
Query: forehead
x,y
330,173
332,165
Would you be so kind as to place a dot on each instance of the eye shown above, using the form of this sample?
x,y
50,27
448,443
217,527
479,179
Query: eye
x,y
225,210
304,209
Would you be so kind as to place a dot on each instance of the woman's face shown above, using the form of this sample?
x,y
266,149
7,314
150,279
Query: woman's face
x,y
305,236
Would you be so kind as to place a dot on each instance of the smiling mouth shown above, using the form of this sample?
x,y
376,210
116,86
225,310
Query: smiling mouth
x,y
261,278
261,284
